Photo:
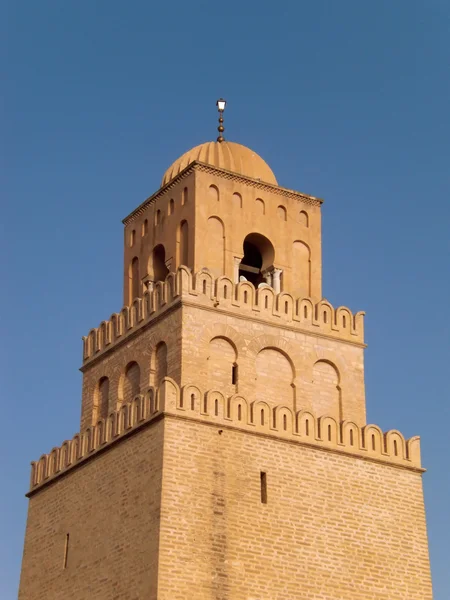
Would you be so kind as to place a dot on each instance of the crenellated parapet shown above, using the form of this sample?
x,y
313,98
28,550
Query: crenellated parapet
x,y
222,294
233,412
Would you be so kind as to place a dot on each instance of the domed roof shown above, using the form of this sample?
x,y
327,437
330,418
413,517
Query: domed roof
x,y
224,155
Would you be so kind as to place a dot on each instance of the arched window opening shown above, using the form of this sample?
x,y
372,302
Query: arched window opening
x,y
132,237
144,228
239,412
183,243
307,426
258,259
158,266
134,291
171,206
158,217
132,384
192,401
185,196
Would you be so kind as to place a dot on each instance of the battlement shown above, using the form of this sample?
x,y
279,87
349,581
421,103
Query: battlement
x,y
222,294
212,407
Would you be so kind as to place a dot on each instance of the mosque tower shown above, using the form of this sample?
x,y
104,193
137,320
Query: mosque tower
x,y
223,451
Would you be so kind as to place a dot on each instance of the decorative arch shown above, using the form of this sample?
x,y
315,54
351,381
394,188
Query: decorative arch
x,y
236,200
222,365
101,399
183,243
282,213
131,382
215,243
158,368
213,193
134,280
303,218
275,376
326,395
224,331
260,207
301,266
171,207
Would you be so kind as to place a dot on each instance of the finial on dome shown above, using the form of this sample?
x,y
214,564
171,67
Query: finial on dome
x,y
221,103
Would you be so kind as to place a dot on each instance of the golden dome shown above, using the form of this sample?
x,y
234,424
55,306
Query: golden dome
x,y
224,155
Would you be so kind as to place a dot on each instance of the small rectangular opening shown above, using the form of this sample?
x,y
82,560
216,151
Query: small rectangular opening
x,y
66,551
263,487
234,374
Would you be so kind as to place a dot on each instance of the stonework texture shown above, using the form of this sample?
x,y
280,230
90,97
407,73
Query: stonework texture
x,y
223,451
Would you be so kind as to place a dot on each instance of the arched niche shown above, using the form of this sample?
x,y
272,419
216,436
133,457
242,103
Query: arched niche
x,y
213,193
159,364
282,213
183,243
215,242
132,381
101,399
274,378
222,365
133,276
303,218
326,395
301,267
259,255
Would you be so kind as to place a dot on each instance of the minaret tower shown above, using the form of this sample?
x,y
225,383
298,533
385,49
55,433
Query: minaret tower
x,y
223,451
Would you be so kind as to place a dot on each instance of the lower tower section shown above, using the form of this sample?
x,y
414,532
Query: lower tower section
x,y
186,494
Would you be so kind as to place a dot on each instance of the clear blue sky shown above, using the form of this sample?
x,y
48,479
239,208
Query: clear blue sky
x,y
347,100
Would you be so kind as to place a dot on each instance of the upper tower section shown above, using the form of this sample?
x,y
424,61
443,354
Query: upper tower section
x,y
220,207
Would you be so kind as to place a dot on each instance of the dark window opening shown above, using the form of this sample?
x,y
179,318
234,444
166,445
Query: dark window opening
x,y
258,257
263,477
160,271
66,551
234,374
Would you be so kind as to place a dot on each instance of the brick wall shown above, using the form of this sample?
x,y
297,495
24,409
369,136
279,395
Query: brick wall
x,y
110,507
140,349
333,527
276,363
